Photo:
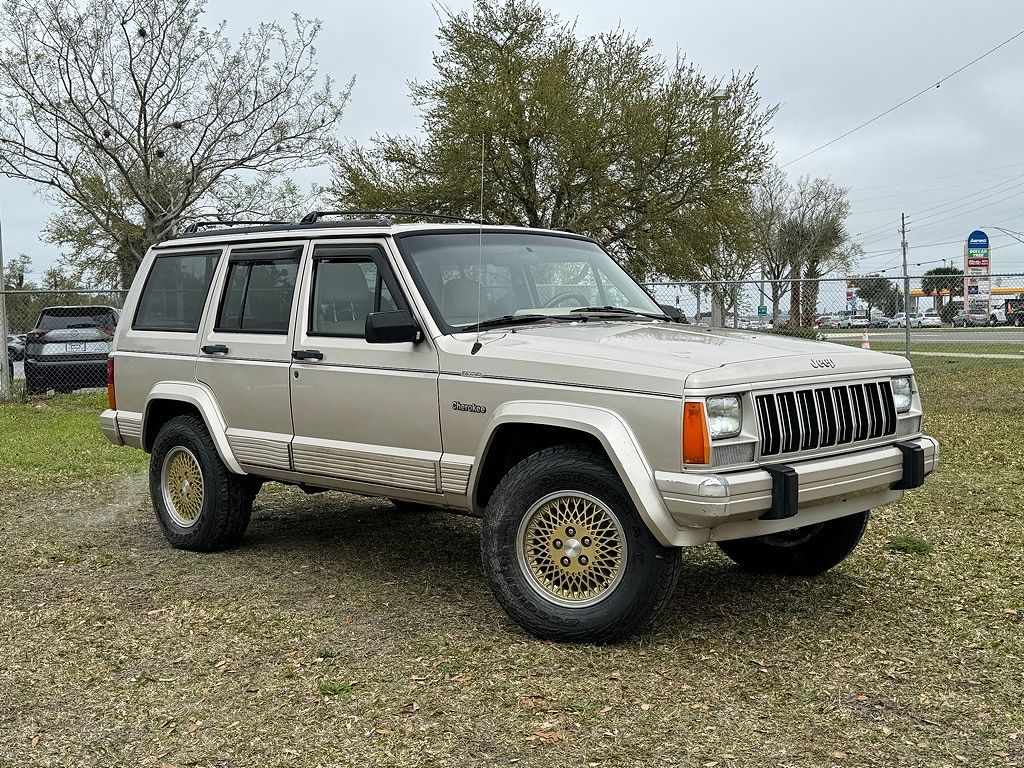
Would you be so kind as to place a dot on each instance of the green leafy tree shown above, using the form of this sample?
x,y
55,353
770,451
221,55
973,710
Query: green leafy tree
x,y
132,116
879,293
16,273
595,134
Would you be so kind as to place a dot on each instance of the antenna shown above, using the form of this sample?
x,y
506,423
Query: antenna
x,y
480,261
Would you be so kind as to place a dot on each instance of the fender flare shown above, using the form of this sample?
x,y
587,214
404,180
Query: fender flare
x,y
202,398
619,443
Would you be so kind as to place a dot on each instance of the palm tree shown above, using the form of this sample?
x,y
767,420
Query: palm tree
x,y
942,281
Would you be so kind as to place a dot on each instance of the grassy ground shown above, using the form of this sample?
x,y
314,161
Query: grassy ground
x,y
345,633
951,347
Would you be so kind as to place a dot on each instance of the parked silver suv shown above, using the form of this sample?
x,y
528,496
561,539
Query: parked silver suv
x,y
519,375
68,348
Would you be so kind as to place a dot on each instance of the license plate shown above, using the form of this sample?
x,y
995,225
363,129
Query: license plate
x,y
76,346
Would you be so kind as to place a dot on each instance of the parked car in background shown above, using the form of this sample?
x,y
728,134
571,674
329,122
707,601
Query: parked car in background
x,y
854,321
15,347
931,319
881,322
997,316
900,320
68,348
964,319
826,321
1014,312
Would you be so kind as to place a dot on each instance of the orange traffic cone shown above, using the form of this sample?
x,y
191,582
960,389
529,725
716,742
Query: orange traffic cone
x,y
865,342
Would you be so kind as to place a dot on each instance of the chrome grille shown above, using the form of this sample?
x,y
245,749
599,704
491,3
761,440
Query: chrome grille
x,y
823,417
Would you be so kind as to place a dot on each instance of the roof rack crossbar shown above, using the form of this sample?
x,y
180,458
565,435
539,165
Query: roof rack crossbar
x,y
195,226
314,216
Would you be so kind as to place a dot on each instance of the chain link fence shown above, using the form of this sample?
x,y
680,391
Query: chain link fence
x,y
909,315
57,341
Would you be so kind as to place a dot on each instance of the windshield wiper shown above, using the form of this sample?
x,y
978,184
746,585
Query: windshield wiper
x,y
610,310
505,320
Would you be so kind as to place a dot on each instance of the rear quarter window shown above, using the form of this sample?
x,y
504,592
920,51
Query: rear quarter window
x,y
175,292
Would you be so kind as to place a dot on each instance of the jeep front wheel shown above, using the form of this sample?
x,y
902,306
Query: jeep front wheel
x,y
807,551
566,553
200,504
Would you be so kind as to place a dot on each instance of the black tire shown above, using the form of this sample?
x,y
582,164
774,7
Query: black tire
x,y
808,551
644,578
33,385
227,498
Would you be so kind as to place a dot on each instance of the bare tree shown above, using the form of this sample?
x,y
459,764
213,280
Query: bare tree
x,y
771,206
799,236
131,116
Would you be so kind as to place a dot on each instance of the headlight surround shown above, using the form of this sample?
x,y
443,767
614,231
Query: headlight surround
x,y
902,393
725,416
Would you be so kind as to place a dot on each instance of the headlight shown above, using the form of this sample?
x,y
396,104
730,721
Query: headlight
x,y
725,416
902,394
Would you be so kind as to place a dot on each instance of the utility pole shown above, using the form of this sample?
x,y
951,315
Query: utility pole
x,y
906,280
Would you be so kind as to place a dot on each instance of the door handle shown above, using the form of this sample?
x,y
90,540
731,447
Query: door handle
x,y
215,349
308,354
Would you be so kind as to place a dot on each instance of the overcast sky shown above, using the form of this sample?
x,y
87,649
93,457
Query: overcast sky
x,y
952,159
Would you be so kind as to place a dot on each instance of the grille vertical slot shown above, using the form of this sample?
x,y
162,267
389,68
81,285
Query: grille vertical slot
x,y
801,420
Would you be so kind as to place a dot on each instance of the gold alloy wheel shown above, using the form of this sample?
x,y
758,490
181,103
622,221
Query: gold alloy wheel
x,y
572,549
181,480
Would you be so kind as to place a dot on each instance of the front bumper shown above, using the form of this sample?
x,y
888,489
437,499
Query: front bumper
x,y
749,500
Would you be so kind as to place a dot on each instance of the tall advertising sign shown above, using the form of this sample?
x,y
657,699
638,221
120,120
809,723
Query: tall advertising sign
x,y
977,274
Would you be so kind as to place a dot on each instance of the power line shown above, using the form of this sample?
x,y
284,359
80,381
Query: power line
x,y
937,178
874,235
911,193
905,101
892,262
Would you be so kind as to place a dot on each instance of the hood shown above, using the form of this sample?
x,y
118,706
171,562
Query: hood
x,y
655,357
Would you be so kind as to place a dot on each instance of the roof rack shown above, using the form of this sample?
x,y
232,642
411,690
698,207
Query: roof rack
x,y
195,226
314,216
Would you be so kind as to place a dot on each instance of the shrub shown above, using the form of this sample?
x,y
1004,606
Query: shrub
x,y
798,331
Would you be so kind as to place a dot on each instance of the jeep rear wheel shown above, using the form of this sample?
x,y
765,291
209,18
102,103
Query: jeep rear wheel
x,y
566,553
807,551
200,504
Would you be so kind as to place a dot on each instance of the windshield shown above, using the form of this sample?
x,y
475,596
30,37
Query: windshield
x,y
61,318
517,274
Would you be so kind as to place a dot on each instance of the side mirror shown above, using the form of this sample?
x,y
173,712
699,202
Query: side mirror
x,y
392,328
674,313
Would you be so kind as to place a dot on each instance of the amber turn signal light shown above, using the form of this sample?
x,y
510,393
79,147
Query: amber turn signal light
x,y
696,441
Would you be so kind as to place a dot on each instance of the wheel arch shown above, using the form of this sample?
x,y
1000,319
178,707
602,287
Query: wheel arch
x,y
589,425
169,399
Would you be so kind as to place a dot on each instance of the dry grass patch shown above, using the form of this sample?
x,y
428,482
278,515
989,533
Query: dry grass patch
x,y
344,632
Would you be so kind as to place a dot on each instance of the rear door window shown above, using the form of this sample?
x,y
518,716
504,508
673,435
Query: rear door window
x,y
175,292
258,291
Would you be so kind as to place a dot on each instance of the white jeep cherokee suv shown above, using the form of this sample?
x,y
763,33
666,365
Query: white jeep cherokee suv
x,y
519,375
